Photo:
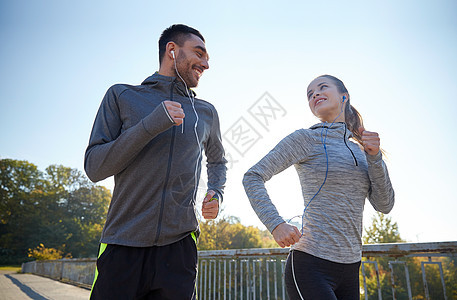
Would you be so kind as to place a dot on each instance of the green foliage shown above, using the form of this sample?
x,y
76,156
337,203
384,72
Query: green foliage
x,y
382,230
450,277
229,233
59,207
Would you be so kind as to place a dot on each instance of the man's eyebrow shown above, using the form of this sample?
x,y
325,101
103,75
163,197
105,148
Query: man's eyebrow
x,y
201,48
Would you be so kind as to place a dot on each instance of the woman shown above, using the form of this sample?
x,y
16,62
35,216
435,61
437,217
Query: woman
x,y
336,175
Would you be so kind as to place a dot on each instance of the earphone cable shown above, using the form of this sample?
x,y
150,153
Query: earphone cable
x,y
323,141
192,101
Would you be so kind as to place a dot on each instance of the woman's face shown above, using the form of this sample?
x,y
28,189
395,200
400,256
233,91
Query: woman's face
x,y
325,101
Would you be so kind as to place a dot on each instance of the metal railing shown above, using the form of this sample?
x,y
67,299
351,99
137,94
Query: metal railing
x,y
241,274
258,273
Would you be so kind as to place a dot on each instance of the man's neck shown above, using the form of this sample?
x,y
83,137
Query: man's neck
x,y
167,71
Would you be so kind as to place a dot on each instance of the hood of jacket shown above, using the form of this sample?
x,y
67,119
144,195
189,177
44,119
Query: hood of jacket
x,y
164,83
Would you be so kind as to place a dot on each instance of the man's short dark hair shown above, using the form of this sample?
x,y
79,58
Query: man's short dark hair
x,y
178,34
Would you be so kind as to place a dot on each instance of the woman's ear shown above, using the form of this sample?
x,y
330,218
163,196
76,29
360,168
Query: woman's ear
x,y
345,98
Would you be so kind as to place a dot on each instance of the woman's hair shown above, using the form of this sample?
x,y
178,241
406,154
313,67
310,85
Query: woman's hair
x,y
352,117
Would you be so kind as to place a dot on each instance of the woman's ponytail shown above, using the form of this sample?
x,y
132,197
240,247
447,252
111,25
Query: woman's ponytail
x,y
353,121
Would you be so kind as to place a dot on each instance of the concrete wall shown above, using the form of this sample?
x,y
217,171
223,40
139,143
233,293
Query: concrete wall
x,y
77,271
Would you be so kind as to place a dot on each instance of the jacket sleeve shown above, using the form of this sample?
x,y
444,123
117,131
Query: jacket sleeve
x,y
215,159
289,151
111,149
381,194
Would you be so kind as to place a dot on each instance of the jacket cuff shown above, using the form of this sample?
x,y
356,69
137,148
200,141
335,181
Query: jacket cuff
x,y
272,225
218,196
374,158
158,120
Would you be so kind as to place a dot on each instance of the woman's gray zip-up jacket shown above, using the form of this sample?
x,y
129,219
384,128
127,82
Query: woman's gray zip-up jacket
x,y
154,163
332,225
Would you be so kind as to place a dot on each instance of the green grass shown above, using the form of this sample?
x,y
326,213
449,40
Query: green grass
x,y
10,268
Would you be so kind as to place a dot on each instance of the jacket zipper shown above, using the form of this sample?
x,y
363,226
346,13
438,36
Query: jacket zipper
x,y
167,176
344,138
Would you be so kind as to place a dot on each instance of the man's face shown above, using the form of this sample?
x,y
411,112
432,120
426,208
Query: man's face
x,y
192,60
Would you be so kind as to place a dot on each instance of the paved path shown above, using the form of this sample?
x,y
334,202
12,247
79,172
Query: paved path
x,y
14,286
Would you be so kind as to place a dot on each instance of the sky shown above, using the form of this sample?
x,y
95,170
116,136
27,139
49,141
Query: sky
x,y
398,60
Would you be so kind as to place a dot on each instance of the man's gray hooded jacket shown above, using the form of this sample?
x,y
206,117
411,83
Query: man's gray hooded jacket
x,y
154,162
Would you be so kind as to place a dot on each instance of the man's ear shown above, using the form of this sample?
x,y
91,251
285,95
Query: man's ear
x,y
170,50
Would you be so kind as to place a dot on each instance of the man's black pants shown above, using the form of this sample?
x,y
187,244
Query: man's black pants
x,y
158,272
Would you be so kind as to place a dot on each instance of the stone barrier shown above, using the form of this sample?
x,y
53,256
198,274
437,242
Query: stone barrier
x,y
78,271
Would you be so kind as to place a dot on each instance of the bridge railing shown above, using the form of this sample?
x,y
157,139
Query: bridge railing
x,y
258,273
386,271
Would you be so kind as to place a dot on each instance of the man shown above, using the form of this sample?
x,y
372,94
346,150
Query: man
x,y
151,139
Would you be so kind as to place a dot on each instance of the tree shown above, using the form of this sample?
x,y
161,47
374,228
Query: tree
x,y
60,208
229,233
382,230
21,185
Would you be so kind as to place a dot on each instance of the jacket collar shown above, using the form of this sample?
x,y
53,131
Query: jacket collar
x,y
165,83
338,127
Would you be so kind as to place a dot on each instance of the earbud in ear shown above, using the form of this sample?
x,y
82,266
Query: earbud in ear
x,y
173,53
344,98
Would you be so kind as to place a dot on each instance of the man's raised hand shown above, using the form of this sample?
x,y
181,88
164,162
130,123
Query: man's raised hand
x,y
175,111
